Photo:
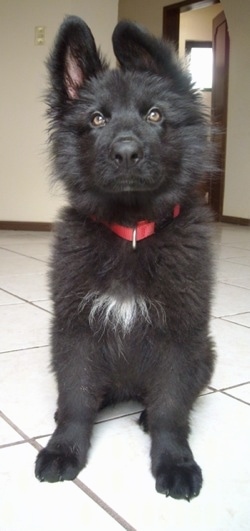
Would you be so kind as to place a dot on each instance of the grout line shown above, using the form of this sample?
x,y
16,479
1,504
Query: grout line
x,y
233,386
16,443
32,303
14,426
16,296
30,440
233,322
233,314
23,348
111,512
25,255
118,417
232,283
235,398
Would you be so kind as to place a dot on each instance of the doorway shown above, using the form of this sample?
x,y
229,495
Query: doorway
x,y
214,185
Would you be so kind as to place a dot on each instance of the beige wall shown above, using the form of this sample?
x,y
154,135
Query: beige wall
x,y
24,182
24,176
237,182
237,190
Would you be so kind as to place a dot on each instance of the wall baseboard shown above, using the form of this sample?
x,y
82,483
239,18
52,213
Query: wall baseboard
x,y
25,225
235,221
47,227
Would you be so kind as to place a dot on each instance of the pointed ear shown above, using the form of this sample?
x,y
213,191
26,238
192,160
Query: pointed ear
x,y
136,49
74,58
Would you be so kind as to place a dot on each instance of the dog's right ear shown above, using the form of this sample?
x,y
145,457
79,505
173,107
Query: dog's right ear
x,y
74,59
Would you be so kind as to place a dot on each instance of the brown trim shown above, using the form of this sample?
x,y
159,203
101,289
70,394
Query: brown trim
x,y
188,5
47,227
235,221
25,225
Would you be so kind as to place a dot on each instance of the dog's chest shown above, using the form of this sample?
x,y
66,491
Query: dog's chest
x,y
116,310
119,311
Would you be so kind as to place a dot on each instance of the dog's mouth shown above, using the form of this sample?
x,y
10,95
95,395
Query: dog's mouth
x,y
134,187
135,184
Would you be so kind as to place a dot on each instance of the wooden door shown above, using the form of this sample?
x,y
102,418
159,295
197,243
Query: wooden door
x,y
221,45
213,186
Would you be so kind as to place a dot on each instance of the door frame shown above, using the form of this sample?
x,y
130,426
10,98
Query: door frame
x,y
171,16
171,30
219,112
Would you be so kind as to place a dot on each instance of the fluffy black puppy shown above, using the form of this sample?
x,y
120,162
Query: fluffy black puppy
x,y
131,299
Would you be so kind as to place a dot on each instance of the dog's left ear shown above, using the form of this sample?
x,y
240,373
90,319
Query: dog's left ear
x,y
136,49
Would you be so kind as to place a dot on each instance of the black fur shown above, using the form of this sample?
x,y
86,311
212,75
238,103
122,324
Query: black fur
x,y
145,153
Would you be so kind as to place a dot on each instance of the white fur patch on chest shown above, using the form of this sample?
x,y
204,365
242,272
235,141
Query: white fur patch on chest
x,y
116,311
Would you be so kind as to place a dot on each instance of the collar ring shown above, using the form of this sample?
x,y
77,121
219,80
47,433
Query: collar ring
x,y
134,238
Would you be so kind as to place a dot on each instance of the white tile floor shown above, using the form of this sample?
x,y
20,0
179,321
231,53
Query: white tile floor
x,y
116,490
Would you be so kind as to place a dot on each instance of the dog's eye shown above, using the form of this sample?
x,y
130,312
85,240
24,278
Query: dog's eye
x,y
154,115
98,120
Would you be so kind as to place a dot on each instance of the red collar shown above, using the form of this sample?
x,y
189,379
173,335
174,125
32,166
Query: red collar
x,y
142,229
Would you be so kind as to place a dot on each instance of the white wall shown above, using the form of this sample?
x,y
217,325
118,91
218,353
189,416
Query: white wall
x,y
24,176
237,178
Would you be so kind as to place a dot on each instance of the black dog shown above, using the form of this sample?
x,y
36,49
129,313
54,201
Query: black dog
x,y
131,267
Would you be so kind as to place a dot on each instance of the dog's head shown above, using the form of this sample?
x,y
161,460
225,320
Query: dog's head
x,y
131,138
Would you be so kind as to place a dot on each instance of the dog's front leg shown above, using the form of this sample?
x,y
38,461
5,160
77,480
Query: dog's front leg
x,y
78,402
173,466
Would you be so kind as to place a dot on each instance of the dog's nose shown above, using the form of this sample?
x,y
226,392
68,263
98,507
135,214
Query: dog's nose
x,y
126,152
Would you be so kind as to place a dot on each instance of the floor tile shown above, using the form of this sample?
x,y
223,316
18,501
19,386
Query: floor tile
x,y
14,264
39,251
230,300
31,287
19,236
234,274
232,254
23,326
28,390
233,235
233,361
27,505
242,258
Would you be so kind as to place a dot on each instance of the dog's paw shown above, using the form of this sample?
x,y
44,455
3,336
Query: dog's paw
x,y
57,464
179,480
